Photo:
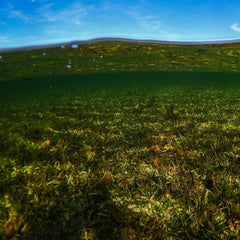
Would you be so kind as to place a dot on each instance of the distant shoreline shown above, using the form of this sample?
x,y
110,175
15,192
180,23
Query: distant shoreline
x,y
79,42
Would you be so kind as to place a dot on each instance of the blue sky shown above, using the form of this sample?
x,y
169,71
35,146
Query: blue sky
x,y
34,22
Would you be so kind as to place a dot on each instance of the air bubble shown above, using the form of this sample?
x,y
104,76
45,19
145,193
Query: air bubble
x,y
74,45
43,53
68,66
0,57
101,56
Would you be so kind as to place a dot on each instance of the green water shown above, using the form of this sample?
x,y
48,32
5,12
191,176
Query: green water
x,y
132,154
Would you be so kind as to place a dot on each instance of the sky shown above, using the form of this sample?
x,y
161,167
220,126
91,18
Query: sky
x,y
37,22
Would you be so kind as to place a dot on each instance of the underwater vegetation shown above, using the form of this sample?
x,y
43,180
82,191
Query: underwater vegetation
x,y
126,151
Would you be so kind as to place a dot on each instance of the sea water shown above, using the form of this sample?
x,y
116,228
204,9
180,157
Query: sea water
x,y
95,134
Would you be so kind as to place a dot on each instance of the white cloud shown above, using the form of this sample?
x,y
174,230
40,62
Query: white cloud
x,y
148,22
10,11
10,6
19,14
152,25
107,5
73,14
44,8
4,39
235,27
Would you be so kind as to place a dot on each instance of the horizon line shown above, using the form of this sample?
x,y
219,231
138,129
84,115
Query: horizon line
x,y
104,39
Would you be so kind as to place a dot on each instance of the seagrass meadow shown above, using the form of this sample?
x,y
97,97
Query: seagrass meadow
x,y
120,140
